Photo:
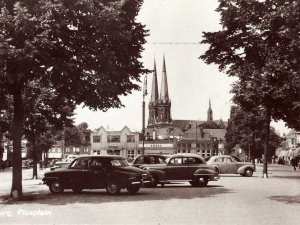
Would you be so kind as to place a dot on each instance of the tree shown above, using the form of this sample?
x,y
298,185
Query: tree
x,y
259,44
245,129
87,51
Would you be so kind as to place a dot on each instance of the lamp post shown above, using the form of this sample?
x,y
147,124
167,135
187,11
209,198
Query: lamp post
x,y
143,122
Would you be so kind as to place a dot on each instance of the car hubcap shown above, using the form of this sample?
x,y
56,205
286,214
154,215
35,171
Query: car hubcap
x,y
248,172
56,187
112,188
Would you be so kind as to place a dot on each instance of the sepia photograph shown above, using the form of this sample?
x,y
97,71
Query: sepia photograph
x,y
150,112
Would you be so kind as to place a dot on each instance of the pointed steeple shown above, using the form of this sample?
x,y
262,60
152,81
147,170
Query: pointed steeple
x,y
209,113
164,94
154,90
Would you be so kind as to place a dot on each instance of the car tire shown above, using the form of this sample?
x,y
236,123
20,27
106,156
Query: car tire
x,y
77,190
154,181
200,182
248,172
56,187
133,189
113,188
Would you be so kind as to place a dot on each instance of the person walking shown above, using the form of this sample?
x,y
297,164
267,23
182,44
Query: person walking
x,y
294,162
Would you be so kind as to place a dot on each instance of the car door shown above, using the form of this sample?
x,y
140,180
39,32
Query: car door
x,y
192,164
219,162
78,175
231,165
97,174
175,169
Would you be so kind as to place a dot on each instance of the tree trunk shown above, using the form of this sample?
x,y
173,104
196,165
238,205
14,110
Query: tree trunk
x,y
17,126
34,172
266,144
253,148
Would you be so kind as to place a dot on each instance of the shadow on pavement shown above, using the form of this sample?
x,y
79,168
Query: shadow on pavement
x,y
287,177
100,196
287,199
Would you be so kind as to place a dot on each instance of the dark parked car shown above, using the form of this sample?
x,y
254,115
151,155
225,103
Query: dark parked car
x,y
96,172
228,164
182,167
144,160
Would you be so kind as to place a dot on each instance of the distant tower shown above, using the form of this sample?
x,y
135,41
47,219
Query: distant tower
x,y
154,97
209,113
164,103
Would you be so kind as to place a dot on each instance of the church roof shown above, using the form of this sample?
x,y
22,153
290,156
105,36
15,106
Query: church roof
x,y
154,90
164,93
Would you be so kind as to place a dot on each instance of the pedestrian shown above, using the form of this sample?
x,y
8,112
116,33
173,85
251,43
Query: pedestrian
x,y
294,162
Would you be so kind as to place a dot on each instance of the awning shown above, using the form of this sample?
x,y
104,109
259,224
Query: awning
x,y
283,153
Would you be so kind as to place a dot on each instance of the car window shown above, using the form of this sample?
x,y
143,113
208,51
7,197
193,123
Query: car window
x,y
227,160
160,160
220,159
175,161
95,163
140,160
119,163
80,163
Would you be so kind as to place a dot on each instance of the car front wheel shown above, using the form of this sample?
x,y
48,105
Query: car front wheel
x,y
113,188
248,172
56,187
199,182
132,189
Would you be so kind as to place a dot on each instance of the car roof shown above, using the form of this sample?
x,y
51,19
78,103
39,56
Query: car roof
x,y
102,156
159,155
187,155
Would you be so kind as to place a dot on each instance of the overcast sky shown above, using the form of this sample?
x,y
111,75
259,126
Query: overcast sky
x,y
191,82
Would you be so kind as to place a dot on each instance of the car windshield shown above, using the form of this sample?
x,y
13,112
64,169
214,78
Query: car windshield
x,y
119,163
211,159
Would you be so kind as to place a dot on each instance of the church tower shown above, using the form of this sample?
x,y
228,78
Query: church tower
x,y
164,103
209,113
153,101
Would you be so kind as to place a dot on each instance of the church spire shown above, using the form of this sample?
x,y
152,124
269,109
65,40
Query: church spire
x,y
154,90
164,94
209,113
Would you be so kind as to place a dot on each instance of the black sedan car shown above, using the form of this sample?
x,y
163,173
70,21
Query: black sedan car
x,y
97,172
182,167
144,160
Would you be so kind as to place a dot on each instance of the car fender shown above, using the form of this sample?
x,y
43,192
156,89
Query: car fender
x,y
241,170
160,174
205,171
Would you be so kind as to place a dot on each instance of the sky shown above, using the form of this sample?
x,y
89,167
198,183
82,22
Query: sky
x,y
191,82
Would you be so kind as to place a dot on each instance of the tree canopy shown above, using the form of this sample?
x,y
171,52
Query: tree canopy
x,y
86,51
259,44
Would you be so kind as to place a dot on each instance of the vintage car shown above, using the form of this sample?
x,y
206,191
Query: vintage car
x,y
96,172
227,164
182,167
144,160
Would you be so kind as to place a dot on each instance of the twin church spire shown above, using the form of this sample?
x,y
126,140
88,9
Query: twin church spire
x,y
160,105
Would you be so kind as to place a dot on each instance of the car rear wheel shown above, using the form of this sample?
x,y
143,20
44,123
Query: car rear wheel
x,y
248,172
200,182
132,189
113,188
56,187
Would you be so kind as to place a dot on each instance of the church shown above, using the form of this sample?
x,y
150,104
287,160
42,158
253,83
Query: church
x,y
165,135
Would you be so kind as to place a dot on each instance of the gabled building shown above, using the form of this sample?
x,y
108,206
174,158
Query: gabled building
x,y
110,142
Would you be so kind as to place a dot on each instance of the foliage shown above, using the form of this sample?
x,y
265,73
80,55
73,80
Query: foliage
x,y
87,51
77,135
245,128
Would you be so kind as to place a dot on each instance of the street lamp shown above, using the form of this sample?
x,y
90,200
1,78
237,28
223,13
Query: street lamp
x,y
143,122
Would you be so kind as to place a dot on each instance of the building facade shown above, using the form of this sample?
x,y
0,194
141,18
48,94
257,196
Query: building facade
x,y
109,142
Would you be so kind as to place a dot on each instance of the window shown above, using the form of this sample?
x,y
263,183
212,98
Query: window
x,y
95,163
67,149
227,160
80,163
130,138
96,138
114,138
130,154
176,161
76,149
113,152
160,160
